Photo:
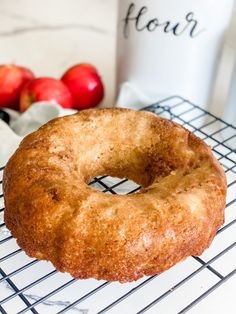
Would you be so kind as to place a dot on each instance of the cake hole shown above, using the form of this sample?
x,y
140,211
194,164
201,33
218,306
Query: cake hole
x,y
113,185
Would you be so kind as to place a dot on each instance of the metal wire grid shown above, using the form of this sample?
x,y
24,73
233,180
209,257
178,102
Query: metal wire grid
x,y
29,285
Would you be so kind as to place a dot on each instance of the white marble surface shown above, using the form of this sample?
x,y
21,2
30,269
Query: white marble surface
x,y
50,35
171,291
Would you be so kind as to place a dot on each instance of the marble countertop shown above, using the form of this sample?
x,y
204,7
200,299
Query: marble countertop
x,y
197,285
50,36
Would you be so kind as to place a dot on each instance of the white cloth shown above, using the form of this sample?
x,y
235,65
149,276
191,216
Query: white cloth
x,y
25,123
41,112
132,97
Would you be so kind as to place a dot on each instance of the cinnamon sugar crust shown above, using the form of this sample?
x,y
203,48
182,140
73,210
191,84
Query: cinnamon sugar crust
x,y
54,215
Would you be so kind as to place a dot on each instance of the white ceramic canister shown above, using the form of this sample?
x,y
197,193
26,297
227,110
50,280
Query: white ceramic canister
x,y
230,106
169,47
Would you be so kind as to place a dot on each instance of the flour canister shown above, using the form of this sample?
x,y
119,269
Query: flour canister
x,y
167,47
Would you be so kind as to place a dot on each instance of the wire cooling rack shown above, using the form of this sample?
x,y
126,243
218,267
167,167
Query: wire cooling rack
x,y
204,284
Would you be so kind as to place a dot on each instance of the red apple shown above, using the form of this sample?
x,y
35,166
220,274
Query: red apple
x,y
45,88
85,85
12,80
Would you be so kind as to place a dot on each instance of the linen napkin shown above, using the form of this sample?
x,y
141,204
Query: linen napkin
x,y
22,124
131,97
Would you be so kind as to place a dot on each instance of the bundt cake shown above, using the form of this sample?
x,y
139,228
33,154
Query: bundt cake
x,y
56,216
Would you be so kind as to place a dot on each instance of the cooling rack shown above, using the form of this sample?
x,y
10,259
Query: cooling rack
x,y
204,284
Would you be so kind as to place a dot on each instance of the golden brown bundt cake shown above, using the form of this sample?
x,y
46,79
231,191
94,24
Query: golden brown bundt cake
x,y
56,216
